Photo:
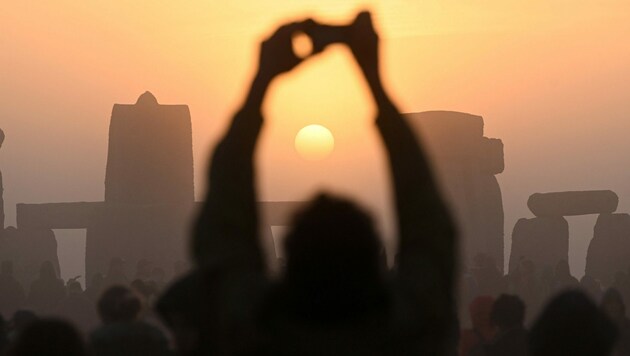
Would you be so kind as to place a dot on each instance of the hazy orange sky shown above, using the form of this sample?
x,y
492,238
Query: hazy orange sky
x,y
551,79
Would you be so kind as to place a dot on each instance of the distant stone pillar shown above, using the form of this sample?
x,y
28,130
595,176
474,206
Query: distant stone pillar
x,y
150,158
543,240
609,250
465,164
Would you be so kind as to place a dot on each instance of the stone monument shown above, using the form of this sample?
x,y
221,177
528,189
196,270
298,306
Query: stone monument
x,y
467,163
545,239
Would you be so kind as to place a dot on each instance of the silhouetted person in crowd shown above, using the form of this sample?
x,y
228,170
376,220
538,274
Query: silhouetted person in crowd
x,y
489,279
612,304
77,307
20,320
158,277
95,287
186,308
562,278
116,273
334,291
122,332
48,337
524,282
591,287
622,284
571,324
46,291
12,295
508,316
143,270
473,341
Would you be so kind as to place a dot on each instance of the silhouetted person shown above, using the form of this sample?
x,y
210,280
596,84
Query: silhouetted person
x,y
48,337
591,287
489,279
158,278
122,333
621,283
562,278
116,273
77,307
12,295
473,341
334,292
524,282
508,315
95,288
571,324
612,304
46,291
143,270
20,320
186,308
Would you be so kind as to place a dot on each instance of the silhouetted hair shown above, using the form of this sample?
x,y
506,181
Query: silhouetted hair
x,y
48,337
334,262
119,304
508,311
571,324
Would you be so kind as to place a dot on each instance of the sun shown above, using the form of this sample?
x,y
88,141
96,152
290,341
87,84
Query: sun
x,y
314,142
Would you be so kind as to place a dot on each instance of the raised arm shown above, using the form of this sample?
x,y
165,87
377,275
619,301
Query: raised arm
x,y
426,252
226,232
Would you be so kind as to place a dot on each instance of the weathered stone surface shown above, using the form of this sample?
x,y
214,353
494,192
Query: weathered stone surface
x,y
150,157
573,203
543,240
609,250
58,215
465,163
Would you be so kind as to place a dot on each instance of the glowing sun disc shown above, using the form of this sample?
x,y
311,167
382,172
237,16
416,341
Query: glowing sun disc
x,y
314,142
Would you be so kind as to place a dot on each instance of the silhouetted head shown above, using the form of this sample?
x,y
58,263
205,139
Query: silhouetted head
x,y
119,304
562,269
571,324
47,271
7,268
1,137
333,256
479,310
21,319
74,288
185,308
48,337
612,304
508,312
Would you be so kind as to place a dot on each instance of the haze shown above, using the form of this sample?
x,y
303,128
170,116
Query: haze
x,y
551,79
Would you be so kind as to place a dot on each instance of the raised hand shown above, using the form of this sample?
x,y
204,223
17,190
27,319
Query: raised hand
x,y
276,52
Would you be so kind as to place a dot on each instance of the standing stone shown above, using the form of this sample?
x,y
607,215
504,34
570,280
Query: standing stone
x,y
149,189
150,157
543,240
609,250
466,163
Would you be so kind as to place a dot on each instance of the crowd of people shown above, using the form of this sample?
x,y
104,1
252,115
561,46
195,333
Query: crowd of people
x,y
336,294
